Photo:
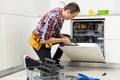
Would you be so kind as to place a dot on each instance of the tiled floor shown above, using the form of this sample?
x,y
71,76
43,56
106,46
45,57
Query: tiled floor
x,y
112,74
21,75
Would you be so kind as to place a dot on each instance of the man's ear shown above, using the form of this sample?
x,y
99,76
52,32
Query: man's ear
x,y
68,11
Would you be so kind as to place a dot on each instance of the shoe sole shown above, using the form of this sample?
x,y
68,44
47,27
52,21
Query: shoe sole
x,y
24,62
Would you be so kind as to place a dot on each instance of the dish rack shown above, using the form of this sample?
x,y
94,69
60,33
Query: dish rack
x,y
49,71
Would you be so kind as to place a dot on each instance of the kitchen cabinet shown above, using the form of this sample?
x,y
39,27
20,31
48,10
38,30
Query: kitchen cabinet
x,y
112,29
1,45
112,39
14,32
1,38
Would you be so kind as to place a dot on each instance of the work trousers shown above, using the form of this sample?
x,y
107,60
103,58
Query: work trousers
x,y
46,53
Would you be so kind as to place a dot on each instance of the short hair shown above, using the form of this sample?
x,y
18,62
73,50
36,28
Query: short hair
x,y
73,7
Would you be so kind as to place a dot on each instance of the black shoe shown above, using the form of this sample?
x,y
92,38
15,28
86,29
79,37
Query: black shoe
x,y
30,63
27,63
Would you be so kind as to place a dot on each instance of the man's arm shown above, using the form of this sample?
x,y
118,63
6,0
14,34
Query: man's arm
x,y
65,40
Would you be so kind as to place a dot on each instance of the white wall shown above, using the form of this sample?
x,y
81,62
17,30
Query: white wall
x,y
17,20
117,6
26,7
85,5
1,5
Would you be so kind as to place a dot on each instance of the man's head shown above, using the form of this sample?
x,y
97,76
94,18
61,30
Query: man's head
x,y
70,11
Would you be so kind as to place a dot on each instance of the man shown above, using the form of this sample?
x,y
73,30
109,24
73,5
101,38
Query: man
x,y
49,27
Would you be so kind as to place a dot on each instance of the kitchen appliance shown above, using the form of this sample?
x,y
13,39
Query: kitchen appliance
x,y
89,31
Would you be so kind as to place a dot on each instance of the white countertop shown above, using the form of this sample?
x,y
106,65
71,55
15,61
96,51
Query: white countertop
x,y
98,15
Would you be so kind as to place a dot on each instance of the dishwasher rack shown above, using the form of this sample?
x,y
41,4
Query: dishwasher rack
x,y
49,71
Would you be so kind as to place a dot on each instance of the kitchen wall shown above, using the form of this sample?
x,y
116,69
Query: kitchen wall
x,y
117,6
27,7
85,5
17,20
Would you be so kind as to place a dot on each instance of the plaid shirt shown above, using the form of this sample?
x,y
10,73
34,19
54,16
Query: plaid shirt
x,y
50,24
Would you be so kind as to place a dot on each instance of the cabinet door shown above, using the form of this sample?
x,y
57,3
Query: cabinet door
x,y
112,27
1,45
13,40
16,34
112,51
112,39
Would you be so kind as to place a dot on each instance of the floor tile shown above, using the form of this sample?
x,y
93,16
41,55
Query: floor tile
x,y
111,74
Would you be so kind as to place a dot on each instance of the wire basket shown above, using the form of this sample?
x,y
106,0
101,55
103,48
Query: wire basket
x,y
41,75
49,71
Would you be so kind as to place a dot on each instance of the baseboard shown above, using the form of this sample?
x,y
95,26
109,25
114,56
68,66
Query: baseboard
x,y
11,70
90,64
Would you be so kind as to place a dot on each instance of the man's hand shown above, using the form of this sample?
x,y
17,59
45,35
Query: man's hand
x,y
36,36
66,40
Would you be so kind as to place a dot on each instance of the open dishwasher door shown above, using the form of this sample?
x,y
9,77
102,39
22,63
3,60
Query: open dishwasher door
x,y
88,52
